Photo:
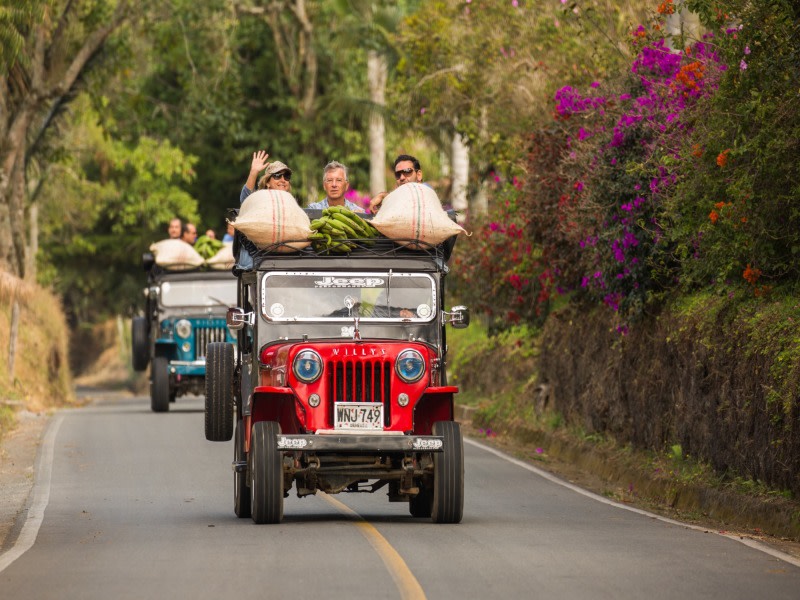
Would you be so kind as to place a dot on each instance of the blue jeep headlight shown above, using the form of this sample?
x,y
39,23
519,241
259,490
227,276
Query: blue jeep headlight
x,y
183,328
410,366
307,366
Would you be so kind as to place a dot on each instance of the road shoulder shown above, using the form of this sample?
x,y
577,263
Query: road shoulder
x,y
17,461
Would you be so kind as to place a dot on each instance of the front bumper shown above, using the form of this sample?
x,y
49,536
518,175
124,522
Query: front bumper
x,y
188,367
360,443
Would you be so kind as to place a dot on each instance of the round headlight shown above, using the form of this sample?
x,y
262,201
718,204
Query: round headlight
x,y
307,366
183,328
410,367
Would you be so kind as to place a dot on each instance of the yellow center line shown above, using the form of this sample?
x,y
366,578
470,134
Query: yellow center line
x,y
404,579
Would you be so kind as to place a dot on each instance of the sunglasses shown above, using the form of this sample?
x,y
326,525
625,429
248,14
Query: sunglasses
x,y
401,172
283,175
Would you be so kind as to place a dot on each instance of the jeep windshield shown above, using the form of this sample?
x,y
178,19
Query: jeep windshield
x,y
328,296
198,292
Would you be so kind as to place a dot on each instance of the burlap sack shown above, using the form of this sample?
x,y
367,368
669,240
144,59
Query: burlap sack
x,y
271,216
413,212
222,260
175,255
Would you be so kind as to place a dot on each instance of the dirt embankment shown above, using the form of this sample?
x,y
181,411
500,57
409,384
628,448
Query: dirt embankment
x,y
34,338
679,415
720,387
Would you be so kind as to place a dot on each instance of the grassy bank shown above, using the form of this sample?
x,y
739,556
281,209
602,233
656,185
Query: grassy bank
x,y
39,378
514,409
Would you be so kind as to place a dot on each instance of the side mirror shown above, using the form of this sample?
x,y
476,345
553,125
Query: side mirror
x,y
236,319
459,317
148,260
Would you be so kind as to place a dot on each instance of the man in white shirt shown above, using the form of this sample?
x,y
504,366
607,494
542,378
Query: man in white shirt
x,y
334,180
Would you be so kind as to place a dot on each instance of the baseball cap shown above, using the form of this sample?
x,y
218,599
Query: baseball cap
x,y
276,167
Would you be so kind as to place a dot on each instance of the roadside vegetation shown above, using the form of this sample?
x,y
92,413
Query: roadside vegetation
x,y
652,238
38,379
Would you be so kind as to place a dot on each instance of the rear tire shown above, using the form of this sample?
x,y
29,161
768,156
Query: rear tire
x,y
159,385
140,343
448,474
266,473
241,493
219,392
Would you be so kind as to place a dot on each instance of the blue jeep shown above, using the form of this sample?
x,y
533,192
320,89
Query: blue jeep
x,y
185,311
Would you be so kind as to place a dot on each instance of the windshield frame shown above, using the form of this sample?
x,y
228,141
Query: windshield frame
x,y
388,275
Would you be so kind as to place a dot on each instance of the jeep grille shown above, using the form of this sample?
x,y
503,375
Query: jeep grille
x,y
203,336
360,381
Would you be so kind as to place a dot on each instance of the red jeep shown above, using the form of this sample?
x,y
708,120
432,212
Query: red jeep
x,y
338,380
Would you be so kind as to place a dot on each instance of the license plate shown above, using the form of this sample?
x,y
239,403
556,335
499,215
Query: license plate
x,y
358,415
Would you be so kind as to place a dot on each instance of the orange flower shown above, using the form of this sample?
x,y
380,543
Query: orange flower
x,y
713,215
697,150
666,8
690,75
762,290
751,275
722,158
719,205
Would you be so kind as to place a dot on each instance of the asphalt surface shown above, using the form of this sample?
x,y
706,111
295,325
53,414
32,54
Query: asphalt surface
x,y
132,504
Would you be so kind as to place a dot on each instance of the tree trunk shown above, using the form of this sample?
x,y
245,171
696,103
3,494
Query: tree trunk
x,y
12,193
377,73
12,339
684,26
460,161
33,242
27,92
480,202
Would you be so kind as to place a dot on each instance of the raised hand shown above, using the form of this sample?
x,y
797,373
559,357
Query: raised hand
x,y
259,162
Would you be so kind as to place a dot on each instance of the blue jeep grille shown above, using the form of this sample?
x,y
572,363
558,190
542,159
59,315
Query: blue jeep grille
x,y
203,336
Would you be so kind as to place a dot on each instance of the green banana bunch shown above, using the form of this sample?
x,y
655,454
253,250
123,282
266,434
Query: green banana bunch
x,y
339,230
207,247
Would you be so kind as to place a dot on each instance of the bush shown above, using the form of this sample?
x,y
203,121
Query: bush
x,y
734,216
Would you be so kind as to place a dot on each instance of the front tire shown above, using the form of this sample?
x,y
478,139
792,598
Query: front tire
x,y
241,493
448,474
159,385
219,392
266,473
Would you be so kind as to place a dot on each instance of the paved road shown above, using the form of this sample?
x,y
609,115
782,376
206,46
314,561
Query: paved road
x,y
140,505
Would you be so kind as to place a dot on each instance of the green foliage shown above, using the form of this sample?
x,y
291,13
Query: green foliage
x,y
472,348
216,85
104,206
16,20
495,272
488,69
735,215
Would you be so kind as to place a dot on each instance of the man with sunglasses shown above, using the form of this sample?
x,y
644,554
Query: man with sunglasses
x,y
406,169
276,177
